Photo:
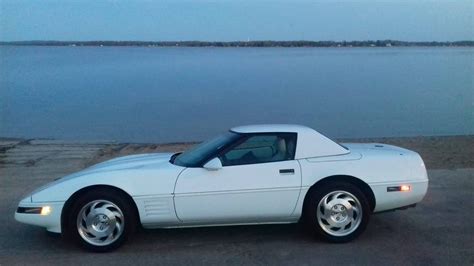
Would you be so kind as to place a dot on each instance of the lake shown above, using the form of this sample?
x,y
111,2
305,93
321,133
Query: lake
x,y
141,94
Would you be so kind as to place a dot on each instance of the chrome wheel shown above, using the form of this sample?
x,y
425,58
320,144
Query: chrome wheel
x,y
100,222
339,213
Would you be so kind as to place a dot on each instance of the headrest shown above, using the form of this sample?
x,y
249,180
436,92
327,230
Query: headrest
x,y
281,145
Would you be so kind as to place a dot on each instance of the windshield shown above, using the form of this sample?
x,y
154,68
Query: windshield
x,y
196,155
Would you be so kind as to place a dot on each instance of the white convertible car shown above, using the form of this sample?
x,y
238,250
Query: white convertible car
x,y
248,175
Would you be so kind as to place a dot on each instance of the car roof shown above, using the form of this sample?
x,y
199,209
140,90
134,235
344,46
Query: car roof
x,y
266,128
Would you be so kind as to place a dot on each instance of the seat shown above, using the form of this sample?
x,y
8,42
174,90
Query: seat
x,y
282,153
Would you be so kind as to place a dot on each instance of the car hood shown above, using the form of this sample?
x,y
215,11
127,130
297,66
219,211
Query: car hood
x,y
154,160
131,161
151,160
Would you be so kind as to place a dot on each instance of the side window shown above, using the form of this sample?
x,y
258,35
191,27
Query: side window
x,y
261,148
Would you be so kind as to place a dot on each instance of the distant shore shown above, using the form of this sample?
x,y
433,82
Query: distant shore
x,y
445,152
256,43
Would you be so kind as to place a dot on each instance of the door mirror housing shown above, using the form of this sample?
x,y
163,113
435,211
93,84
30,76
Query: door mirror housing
x,y
213,165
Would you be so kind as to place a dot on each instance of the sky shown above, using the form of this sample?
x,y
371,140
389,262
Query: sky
x,y
225,20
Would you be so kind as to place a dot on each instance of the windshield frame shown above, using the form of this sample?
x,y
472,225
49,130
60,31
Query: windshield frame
x,y
230,138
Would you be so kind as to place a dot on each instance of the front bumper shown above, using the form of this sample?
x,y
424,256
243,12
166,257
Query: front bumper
x,y
26,213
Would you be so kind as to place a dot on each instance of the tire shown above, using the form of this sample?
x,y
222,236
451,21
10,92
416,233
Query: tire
x,y
337,212
101,220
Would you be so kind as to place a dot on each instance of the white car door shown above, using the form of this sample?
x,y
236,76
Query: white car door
x,y
259,182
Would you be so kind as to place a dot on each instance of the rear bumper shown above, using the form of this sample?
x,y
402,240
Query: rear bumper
x,y
26,213
387,199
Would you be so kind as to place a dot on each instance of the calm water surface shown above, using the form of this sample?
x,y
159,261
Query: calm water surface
x,y
182,94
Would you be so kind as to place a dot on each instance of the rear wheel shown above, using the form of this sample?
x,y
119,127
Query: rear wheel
x,y
101,220
338,212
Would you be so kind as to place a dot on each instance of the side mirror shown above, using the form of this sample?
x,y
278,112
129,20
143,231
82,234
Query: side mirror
x,y
213,165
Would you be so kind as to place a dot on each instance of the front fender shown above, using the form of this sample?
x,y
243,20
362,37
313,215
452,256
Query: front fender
x,y
136,182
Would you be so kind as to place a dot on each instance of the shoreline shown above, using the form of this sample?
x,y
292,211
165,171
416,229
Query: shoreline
x,y
247,43
99,141
224,47
438,152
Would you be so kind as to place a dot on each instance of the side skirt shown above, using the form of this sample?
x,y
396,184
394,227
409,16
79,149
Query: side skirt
x,y
152,226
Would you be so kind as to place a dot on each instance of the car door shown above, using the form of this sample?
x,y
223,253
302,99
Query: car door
x,y
260,181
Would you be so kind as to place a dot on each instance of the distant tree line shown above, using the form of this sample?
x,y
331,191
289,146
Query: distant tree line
x,y
369,43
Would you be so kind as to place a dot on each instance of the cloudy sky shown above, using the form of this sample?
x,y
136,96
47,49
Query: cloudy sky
x,y
227,20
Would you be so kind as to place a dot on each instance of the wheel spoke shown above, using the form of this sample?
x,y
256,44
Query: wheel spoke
x,y
118,227
337,195
110,237
355,210
94,205
117,215
84,216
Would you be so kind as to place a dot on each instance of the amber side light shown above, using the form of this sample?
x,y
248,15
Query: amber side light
x,y
405,188
402,188
45,210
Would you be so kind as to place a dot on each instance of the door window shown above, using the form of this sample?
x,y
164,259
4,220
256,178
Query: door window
x,y
261,148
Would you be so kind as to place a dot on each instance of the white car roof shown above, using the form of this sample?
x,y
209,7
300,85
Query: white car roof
x,y
270,128
310,143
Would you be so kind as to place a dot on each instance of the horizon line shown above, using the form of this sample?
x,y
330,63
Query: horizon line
x,y
249,40
244,44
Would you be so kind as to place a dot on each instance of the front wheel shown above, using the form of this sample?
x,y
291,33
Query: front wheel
x,y
338,212
101,220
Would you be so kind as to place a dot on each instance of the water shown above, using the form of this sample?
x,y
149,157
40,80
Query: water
x,y
138,94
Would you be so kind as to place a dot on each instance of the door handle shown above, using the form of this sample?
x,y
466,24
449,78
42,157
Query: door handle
x,y
287,171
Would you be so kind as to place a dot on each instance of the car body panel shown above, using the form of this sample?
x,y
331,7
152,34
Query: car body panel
x,y
248,193
156,210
